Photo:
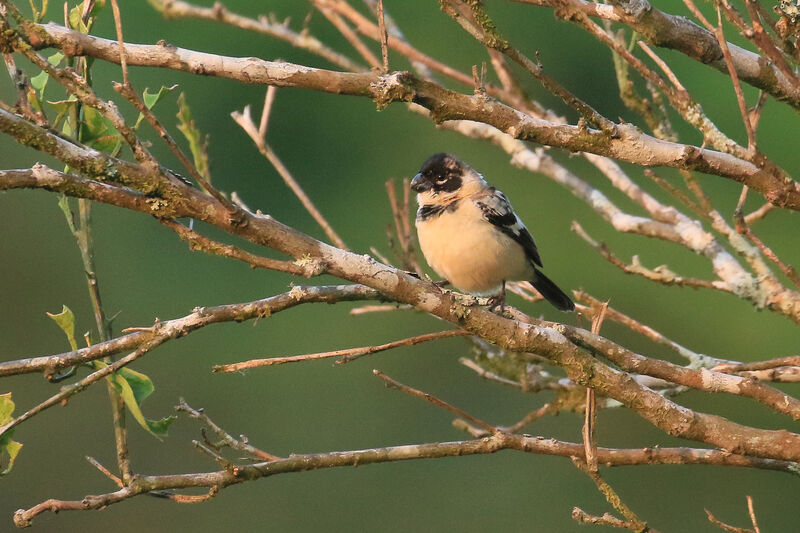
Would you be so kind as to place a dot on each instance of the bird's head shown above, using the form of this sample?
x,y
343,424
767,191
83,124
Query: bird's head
x,y
444,178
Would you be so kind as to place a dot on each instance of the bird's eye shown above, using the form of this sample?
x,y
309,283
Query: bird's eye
x,y
442,181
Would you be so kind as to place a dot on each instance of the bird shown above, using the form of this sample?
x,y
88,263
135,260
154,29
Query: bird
x,y
471,236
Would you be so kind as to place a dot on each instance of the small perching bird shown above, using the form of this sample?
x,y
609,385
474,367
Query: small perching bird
x,y
471,236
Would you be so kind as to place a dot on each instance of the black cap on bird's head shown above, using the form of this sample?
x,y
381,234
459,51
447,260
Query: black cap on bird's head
x,y
440,173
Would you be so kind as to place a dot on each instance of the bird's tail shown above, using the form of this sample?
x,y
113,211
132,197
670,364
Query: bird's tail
x,y
552,293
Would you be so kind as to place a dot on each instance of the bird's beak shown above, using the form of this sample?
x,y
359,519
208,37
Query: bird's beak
x,y
418,184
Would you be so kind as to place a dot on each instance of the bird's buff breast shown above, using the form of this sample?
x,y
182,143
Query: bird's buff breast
x,y
469,252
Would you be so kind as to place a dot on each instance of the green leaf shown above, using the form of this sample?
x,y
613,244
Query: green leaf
x,y
99,132
134,387
152,99
56,58
63,108
33,99
6,408
8,454
197,141
76,21
9,449
66,321
141,385
63,203
39,82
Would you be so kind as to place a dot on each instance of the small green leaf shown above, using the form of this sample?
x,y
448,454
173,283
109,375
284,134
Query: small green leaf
x,y
9,449
33,99
39,82
6,408
8,454
63,108
141,385
76,21
99,132
56,58
63,203
151,99
134,387
197,141
66,321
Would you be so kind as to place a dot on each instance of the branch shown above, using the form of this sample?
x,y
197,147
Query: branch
x,y
347,355
175,9
200,317
581,367
303,462
627,143
679,33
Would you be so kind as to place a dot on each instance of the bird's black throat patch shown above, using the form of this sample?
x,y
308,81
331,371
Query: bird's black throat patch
x,y
428,211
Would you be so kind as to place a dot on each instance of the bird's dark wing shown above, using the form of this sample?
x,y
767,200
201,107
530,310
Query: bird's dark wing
x,y
497,211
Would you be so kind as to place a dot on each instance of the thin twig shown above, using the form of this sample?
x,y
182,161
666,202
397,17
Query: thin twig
x,y
579,515
788,270
263,25
347,355
123,57
269,99
225,439
434,400
365,309
94,462
729,367
350,35
725,527
759,213
752,513
662,65
659,274
635,325
245,121
590,418
197,241
384,37
612,497
752,145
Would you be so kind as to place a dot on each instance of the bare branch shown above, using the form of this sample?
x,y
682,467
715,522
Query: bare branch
x,y
347,355
434,400
445,105
179,327
219,13
304,462
726,527
225,439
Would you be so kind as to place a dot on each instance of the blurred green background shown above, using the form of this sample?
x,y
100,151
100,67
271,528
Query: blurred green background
x,y
342,150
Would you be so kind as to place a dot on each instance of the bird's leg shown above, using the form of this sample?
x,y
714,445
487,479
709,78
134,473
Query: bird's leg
x,y
498,300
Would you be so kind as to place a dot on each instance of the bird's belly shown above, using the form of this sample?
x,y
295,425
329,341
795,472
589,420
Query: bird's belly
x,y
470,253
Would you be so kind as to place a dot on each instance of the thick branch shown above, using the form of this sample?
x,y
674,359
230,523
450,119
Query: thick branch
x,y
681,34
304,462
628,144
582,368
